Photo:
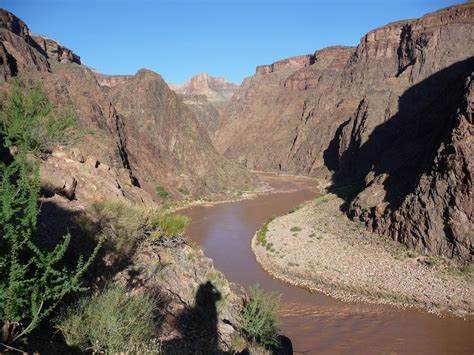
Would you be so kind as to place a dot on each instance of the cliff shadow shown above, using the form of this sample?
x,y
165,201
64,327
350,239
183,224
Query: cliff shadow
x,y
197,325
404,146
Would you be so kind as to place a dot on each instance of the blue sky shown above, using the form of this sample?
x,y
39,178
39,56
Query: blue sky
x,y
224,38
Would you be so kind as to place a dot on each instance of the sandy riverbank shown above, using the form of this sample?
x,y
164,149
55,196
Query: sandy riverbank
x,y
317,247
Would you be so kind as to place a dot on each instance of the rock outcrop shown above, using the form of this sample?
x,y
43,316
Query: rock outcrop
x,y
56,51
288,63
391,116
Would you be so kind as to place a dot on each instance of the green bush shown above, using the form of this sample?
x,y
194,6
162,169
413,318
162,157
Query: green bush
x,y
113,321
184,190
160,191
30,121
260,321
295,229
32,280
170,225
262,234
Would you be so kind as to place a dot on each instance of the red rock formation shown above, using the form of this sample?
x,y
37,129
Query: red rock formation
x,y
288,63
56,51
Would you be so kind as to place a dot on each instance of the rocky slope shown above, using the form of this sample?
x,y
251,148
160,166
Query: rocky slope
x,y
147,134
206,96
392,116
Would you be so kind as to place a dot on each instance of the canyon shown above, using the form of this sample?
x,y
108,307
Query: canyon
x,y
384,128
390,119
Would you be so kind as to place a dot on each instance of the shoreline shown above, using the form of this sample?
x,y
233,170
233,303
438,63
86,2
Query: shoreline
x,y
319,260
265,189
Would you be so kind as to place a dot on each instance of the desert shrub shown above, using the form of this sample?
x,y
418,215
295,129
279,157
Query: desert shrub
x,y
30,121
170,225
262,234
161,191
32,280
112,321
260,321
125,224
184,190
295,229
122,223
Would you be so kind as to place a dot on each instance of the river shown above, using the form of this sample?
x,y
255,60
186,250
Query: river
x,y
314,322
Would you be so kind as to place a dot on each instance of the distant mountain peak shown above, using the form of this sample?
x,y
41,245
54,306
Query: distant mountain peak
x,y
214,88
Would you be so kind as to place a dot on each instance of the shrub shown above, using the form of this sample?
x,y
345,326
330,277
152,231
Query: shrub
x,y
125,224
160,191
31,122
170,225
262,233
113,321
32,280
122,223
260,322
184,190
295,229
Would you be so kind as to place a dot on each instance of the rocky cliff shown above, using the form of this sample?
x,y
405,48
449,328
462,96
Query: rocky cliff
x,y
392,117
147,136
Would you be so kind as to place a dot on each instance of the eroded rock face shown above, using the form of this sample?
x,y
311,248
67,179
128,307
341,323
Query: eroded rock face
x,y
382,115
284,64
56,51
166,142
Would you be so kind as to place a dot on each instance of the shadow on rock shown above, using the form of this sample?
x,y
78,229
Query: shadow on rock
x,y
198,325
401,149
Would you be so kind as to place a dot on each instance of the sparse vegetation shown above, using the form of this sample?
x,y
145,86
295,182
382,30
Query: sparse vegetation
x,y
260,322
161,192
184,191
125,224
30,121
113,321
170,225
262,234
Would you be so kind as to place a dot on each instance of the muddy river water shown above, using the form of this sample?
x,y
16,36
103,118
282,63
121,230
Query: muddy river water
x,y
314,322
